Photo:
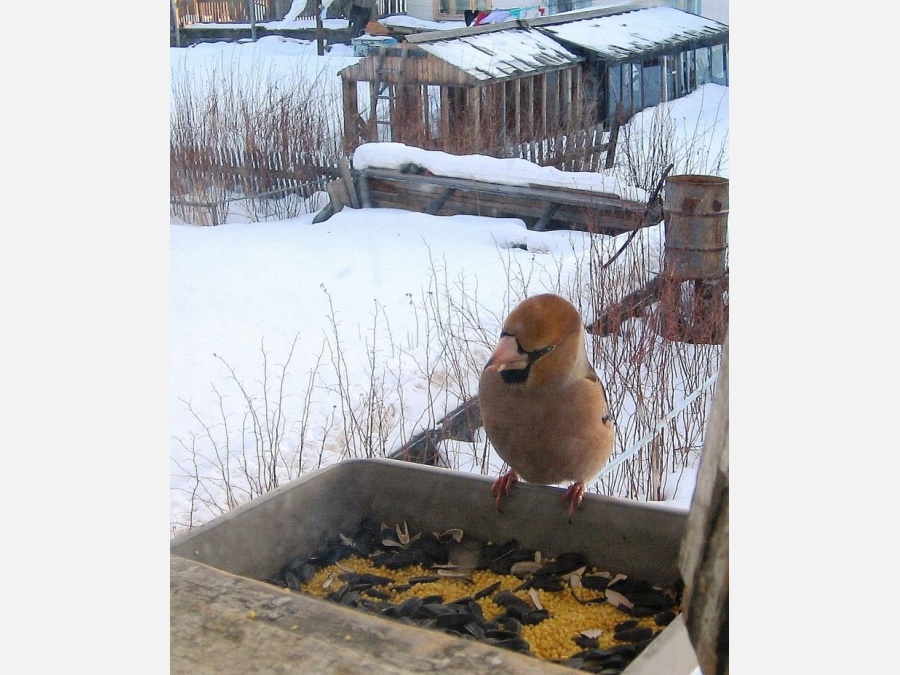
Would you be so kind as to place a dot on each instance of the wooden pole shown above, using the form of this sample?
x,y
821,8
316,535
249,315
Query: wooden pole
x,y
320,30
176,20
251,10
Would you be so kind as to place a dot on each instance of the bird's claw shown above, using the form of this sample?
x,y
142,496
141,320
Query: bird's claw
x,y
502,486
573,497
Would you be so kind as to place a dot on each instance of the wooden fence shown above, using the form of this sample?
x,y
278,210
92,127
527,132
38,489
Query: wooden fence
x,y
591,149
187,12
203,181
209,178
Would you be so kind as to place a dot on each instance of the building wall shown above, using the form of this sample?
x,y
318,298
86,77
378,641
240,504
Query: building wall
x,y
717,10
420,9
711,9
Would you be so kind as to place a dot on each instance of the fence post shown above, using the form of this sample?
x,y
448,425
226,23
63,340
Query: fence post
x,y
176,21
320,30
251,9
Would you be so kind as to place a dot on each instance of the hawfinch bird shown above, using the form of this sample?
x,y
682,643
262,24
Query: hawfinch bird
x,y
544,408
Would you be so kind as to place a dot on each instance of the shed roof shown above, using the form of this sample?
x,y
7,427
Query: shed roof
x,y
626,35
501,54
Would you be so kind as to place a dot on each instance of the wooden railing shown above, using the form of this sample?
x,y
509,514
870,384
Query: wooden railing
x,y
187,12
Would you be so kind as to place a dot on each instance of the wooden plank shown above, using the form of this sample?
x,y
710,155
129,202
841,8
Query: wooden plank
x,y
372,125
553,103
324,214
601,217
474,104
503,105
344,168
445,117
579,99
703,558
414,111
518,102
565,196
614,136
365,197
453,33
439,202
607,195
544,105
337,192
529,108
552,208
232,625
628,307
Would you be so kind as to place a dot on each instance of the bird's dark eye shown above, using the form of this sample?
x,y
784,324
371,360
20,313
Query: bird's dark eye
x,y
538,353
532,355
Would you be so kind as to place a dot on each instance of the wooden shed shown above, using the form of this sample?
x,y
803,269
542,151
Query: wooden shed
x,y
497,89
463,91
636,59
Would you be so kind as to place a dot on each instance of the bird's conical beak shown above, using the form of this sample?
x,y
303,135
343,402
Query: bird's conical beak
x,y
507,356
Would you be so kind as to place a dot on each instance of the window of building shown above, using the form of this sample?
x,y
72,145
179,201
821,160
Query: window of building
x,y
456,8
718,58
651,81
621,86
701,59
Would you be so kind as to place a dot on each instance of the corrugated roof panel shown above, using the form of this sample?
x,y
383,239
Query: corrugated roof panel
x,y
622,35
501,54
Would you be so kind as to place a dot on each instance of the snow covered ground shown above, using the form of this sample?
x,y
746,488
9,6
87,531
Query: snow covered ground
x,y
361,298
86,271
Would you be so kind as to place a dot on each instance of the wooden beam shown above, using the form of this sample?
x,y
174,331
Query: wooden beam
x,y
502,106
629,307
414,114
518,85
579,100
552,208
351,114
583,198
583,211
439,202
529,107
372,127
337,192
473,97
703,558
365,197
544,106
445,119
344,168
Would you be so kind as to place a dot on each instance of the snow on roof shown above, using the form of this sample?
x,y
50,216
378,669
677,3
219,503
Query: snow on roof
x,y
505,53
622,35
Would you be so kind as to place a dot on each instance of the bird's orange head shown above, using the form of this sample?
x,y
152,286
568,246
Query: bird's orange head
x,y
540,342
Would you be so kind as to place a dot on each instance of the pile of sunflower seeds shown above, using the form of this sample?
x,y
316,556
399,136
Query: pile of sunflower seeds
x,y
393,548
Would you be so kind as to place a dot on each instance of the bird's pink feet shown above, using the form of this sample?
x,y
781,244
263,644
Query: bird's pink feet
x,y
503,485
573,497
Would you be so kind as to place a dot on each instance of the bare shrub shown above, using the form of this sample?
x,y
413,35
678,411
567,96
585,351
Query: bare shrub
x,y
251,444
252,136
654,139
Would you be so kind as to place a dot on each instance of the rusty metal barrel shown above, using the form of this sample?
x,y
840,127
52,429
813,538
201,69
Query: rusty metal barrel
x,y
696,215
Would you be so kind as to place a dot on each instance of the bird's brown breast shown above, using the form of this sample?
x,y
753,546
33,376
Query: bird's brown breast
x,y
551,436
544,408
